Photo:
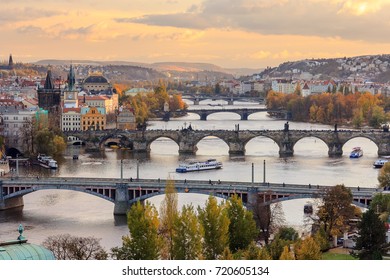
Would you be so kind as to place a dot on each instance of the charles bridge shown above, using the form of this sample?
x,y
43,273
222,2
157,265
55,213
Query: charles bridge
x,y
187,139
124,192
196,98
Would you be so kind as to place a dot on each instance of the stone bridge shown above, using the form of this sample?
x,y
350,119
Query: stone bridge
x,y
244,113
123,193
230,99
187,139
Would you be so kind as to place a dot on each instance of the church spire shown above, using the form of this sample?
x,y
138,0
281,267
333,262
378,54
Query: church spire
x,y
49,84
71,78
10,62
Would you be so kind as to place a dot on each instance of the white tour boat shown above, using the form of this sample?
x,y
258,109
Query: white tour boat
x,y
380,162
199,166
47,161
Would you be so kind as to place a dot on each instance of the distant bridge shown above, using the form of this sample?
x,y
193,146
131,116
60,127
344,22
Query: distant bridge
x,y
196,98
244,113
123,193
188,139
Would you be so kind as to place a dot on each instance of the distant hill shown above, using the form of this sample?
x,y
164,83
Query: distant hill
x,y
174,67
374,68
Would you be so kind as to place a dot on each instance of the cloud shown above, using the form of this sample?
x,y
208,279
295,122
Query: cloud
x,y
26,14
333,18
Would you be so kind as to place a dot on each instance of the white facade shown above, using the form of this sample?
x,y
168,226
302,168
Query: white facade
x,y
71,119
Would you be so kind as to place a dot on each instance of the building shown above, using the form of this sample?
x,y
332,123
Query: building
x,y
125,119
93,118
96,83
109,103
20,249
71,119
70,97
17,122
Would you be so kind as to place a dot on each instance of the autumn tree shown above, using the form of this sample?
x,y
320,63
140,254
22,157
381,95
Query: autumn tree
x,y
336,210
68,247
384,176
253,252
143,241
187,235
168,215
47,142
307,249
215,223
372,237
242,227
381,204
286,254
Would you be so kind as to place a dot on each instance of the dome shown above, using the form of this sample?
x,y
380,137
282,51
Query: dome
x,y
96,79
24,251
19,249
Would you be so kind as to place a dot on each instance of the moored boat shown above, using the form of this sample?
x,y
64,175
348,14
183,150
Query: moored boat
x,y
380,162
357,152
47,161
199,166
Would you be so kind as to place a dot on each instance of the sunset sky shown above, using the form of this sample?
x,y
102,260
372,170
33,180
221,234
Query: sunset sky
x,y
229,33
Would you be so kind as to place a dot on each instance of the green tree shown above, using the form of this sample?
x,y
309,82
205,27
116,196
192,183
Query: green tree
x,y
254,252
378,117
187,235
381,204
47,142
242,227
287,233
168,215
143,242
336,210
308,249
322,240
215,223
372,237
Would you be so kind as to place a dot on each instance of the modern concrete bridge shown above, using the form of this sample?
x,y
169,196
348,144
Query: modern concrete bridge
x,y
123,193
236,140
244,113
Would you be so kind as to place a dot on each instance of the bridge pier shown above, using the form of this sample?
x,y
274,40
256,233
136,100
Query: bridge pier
x,y
141,146
203,117
196,102
230,102
11,203
121,204
236,148
384,149
244,116
335,149
187,148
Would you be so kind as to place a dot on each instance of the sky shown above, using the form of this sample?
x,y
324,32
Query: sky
x,y
229,33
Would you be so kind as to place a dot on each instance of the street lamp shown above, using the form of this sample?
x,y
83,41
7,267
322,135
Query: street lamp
x,y
264,172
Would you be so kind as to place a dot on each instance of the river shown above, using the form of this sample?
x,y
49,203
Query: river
x,y
47,213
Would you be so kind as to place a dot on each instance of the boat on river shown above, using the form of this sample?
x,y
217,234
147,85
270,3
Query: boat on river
x,y
199,166
381,162
47,161
357,152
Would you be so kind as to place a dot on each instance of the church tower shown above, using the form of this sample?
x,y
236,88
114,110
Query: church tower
x,y
70,94
10,63
49,98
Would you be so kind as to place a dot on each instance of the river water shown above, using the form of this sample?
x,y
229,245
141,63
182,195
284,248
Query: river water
x,y
52,212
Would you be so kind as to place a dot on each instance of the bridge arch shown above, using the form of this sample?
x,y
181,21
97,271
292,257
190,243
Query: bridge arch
x,y
351,142
267,143
26,191
118,139
214,139
311,145
154,140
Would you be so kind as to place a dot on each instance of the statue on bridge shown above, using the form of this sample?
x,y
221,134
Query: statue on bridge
x,y
286,126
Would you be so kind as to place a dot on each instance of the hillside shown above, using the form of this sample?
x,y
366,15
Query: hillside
x,y
374,68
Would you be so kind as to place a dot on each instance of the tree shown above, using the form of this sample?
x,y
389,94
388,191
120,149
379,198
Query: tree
x,y
253,252
67,247
372,237
168,215
268,217
215,223
242,227
287,233
336,210
286,254
384,176
308,249
381,204
143,242
187,235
